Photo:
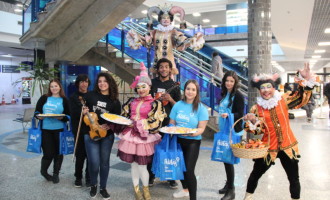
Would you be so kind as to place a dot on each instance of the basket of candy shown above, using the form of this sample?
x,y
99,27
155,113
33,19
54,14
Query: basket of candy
x,y
251,148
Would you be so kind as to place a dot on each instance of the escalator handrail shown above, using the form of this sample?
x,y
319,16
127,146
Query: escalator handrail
x,y
182,55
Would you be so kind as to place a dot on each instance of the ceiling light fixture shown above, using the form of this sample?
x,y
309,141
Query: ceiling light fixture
x,y
324,43
317,56
144,11
327,30
319,51
206,20
19,5
18,10
213,26
7,56
196,14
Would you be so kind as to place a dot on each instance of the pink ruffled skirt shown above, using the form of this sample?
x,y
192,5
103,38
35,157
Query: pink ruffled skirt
x,y
133,148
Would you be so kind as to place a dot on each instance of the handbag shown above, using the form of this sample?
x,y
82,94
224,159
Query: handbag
x,y
222,151
168,162
66,139
34,137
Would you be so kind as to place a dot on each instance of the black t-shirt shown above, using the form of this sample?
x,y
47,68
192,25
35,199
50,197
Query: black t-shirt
x,y
159,86
100,104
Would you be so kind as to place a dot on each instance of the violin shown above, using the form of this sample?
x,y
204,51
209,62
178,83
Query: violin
x,y
91,120
158,95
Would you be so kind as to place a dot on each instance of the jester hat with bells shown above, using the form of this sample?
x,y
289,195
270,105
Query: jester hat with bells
x,y
163,11
273,79
143,78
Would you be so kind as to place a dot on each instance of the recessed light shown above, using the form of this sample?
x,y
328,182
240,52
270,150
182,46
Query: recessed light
x,y
196,14
206,20
319,51
327,30
144,11
18,10
324,43
7,56
317,56
214,26
19,5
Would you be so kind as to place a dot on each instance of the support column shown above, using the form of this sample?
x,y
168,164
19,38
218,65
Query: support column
x,y
259,42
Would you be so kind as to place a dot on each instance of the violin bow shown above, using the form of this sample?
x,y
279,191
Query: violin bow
x,y
173,87
78,132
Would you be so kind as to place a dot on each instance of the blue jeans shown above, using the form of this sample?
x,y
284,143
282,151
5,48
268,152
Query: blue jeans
x,y
98,156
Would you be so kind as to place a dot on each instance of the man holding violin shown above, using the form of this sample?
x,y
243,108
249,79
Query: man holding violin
x,y
82,82
168,91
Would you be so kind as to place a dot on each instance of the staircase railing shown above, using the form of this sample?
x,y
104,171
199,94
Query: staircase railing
x,y
190,66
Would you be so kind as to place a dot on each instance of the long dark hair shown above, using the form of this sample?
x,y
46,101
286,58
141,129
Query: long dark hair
x,y
113,88
224,90
197,98
61,93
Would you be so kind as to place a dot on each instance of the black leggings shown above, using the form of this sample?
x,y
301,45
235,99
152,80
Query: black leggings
x,y
190,150
230,172
50,147
290,166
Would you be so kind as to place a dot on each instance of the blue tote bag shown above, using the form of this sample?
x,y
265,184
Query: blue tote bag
x,y
222,151
168,162
159,149
177,155
34,137
67,139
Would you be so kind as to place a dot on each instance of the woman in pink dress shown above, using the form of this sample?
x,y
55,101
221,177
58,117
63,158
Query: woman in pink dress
x,y
137,141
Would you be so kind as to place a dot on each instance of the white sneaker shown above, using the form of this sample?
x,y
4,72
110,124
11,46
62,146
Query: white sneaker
x,y
181,194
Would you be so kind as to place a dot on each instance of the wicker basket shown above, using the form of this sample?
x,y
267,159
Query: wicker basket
x,y
248,153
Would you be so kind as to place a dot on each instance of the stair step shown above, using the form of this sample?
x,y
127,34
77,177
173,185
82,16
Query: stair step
x,y
50,5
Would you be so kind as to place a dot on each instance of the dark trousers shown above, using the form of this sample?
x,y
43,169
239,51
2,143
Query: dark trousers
x,y
190,149
81,156
290,166
230,173
50,147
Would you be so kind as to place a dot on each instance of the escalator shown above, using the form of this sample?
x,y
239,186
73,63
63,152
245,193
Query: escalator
x,y
192,65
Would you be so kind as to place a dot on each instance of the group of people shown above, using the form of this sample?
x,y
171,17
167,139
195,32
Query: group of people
x,y
137,141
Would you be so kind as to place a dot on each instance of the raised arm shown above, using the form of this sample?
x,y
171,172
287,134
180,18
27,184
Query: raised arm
x,y
300,97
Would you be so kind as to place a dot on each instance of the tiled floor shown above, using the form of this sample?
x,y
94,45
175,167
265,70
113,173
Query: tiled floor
x,y
20,177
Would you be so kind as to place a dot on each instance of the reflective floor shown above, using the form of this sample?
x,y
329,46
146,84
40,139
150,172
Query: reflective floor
x,y
20,177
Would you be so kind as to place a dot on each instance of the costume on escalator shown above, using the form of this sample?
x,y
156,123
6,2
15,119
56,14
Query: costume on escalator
x,y
165,38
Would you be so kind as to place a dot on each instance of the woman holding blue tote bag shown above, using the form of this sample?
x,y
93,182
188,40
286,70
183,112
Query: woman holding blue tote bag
x,y
190,113
233,101
54,102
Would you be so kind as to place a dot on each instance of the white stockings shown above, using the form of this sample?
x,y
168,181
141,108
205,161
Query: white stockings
x,y
139,172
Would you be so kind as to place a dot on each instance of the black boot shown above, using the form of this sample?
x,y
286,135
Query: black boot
x,y
57,167
230,194
44,168
224,189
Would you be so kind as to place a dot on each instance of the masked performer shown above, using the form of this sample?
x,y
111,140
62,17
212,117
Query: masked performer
x,y
137,141
271,110
165,38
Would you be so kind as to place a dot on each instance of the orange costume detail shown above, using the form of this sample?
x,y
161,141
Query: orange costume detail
x,y
277,121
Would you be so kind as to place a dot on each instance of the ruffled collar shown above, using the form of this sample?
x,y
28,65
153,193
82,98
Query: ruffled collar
x,y
146,98
269,103
165,28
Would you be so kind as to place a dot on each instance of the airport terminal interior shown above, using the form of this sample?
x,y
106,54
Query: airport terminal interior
x,y
88,37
